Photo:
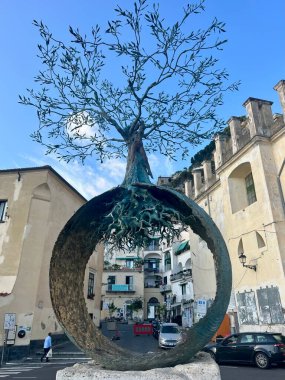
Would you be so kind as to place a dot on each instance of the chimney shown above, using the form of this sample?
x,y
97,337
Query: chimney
x,y
260,116
220,153
197,181
208,175
236,131
188,187
280,88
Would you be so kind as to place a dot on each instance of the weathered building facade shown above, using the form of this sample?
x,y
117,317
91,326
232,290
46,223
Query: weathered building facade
x,y
35,204
242,188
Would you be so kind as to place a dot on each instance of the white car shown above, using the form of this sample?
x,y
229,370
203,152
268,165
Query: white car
x,y
169,335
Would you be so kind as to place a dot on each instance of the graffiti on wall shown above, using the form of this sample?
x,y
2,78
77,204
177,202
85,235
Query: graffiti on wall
x,y
247,310
270,308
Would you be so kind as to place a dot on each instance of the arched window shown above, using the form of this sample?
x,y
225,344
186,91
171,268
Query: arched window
x,y
241,187
260,241
188,264
240,247
153,300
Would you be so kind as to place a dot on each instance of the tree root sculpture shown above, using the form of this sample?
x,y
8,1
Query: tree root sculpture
x,y
75,245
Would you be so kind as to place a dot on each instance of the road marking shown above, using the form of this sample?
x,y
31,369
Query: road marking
x,y
227,366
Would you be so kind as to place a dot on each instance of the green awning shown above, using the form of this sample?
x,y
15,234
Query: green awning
x,y
184,246
129,258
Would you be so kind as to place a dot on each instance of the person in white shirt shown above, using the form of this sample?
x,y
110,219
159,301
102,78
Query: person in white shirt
x,y
47,347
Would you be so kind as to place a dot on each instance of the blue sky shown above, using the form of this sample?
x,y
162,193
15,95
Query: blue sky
x,y
254,54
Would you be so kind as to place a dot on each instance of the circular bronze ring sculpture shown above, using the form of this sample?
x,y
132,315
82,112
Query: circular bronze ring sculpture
x,y
71,252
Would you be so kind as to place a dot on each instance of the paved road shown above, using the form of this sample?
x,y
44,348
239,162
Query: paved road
x,y
48,371
33,371
67,354
231,372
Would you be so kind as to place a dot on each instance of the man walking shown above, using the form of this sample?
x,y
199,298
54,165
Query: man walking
x,y
47,347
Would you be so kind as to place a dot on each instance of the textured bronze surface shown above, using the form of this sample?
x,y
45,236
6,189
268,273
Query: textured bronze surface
x,y
71,252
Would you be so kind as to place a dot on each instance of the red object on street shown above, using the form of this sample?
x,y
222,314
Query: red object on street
x,y
142,329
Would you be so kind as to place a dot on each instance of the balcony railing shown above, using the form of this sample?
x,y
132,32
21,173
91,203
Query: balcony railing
x,y
187,298
123,268
183,274
153,246
151,269
165,288
120,288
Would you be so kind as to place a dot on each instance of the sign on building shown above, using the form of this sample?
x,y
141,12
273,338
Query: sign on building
x,y
201,307
9,321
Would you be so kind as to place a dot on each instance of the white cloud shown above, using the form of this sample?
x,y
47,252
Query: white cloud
x,y
93,179
81,125
88,180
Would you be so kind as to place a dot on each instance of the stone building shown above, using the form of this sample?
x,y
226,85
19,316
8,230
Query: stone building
x,y
35,204
122,284
242,188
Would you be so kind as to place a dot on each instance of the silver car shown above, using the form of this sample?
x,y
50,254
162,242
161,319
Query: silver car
x,y
169,335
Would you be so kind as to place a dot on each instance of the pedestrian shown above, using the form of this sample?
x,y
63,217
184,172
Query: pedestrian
x,y
47,347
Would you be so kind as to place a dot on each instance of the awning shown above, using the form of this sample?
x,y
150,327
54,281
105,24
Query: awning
x,y
129,258
184,246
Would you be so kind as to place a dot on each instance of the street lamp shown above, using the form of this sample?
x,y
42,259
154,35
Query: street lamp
x,y
242,259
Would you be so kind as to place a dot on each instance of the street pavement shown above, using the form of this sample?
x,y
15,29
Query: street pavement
x,y
66,354
127,339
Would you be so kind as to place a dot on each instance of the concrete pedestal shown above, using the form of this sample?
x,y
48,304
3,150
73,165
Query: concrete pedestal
x,y
201,368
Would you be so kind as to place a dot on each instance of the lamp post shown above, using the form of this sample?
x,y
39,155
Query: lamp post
x,y
242,259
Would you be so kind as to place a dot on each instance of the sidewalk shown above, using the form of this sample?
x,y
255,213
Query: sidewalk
x,y
68,352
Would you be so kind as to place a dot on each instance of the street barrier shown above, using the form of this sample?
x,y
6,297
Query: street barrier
x,y
142,329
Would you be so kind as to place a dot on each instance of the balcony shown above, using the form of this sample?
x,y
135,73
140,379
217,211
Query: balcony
x,y
115,268
154,246
182,275
151,269
165,288
120,288
187,298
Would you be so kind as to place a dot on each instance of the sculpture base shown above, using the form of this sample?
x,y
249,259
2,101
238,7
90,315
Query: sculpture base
x,y
202,367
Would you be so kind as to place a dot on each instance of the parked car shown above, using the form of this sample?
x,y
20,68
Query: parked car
x,y
261,349
169,335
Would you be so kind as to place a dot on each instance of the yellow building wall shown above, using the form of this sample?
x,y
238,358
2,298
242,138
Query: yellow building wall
x,y
39,204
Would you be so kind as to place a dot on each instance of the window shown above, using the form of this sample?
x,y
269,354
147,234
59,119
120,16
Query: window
x,y
151,265
250,189
130,263
3,204
264,339
247,338
183,289
241,187
153,246
111,280
165,280
167,261
91,280
129,280
260,241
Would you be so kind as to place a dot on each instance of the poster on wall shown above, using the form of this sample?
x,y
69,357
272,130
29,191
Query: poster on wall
x,y
9,321
201,307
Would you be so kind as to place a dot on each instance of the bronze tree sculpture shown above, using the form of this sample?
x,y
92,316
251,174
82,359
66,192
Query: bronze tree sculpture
x,y
142,115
